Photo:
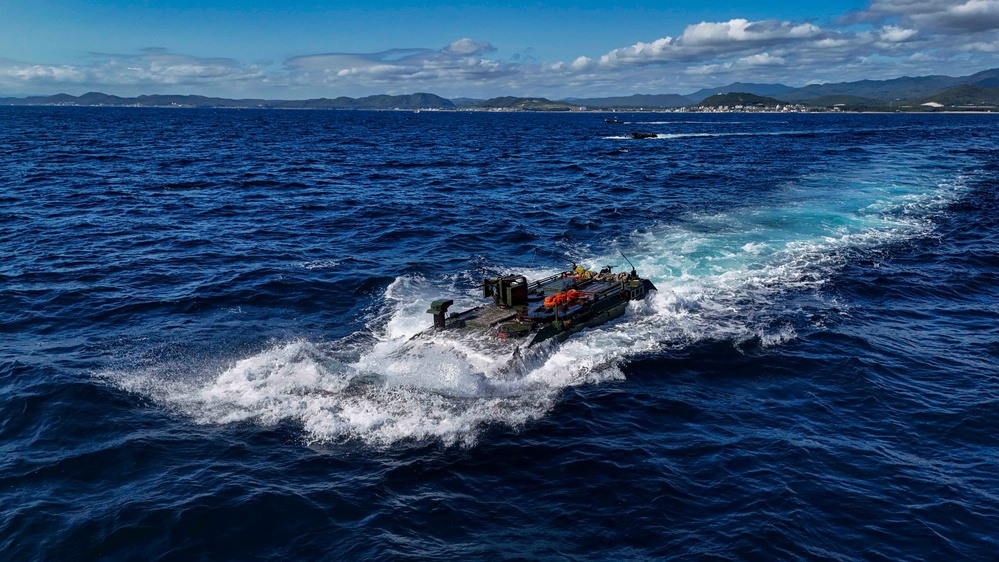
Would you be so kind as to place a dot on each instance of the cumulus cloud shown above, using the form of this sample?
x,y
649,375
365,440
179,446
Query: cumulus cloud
x,y
152,67
745,63
762,59
960,16
744,31
973,16
895,34
706,40
468,47
460,61
12,72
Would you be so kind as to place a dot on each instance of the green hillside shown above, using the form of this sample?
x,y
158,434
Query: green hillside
x,y
965,97
411,101
525,104
743,99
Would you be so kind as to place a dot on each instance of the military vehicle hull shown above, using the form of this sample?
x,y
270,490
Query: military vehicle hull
x,y
553,308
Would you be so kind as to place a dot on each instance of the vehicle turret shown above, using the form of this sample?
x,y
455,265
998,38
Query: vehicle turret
x,y
508,291
439,310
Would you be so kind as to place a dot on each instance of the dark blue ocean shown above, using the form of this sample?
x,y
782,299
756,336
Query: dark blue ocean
x,y
204,317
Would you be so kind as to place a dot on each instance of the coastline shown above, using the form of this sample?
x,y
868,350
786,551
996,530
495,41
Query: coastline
x,y
685,110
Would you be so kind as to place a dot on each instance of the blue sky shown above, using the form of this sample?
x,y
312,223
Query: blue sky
x,y
311,48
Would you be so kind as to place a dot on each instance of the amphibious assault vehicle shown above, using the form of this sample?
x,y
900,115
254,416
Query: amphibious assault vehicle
x,y
551,308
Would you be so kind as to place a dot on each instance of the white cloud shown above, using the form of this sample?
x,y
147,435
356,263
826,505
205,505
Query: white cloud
x,y
895,34
721,39
976,15
398,70
744,31
762,59
745,63
660,49
989,47
152,68
468,47
954,16
20,73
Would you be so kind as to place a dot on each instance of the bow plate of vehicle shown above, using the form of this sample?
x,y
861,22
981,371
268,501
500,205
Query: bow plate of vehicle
x,y
552,308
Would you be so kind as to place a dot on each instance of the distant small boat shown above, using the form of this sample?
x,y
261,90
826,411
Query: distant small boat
x,y
637,135
612,121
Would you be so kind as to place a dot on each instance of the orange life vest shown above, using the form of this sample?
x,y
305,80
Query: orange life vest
x,y
569,297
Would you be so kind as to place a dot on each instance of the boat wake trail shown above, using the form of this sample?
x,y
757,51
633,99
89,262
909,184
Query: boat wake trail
x,y
755,274
419,397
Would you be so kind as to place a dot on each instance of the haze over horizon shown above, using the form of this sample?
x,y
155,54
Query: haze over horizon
x,y
309,48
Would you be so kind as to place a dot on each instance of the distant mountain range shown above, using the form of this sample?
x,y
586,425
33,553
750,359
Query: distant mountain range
x,y
412,101
904,88
980,90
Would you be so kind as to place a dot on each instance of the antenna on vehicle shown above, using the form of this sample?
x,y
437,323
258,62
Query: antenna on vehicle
x,y
634,273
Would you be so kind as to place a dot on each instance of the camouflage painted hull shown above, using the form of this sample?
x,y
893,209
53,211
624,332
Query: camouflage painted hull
x,y
553,308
